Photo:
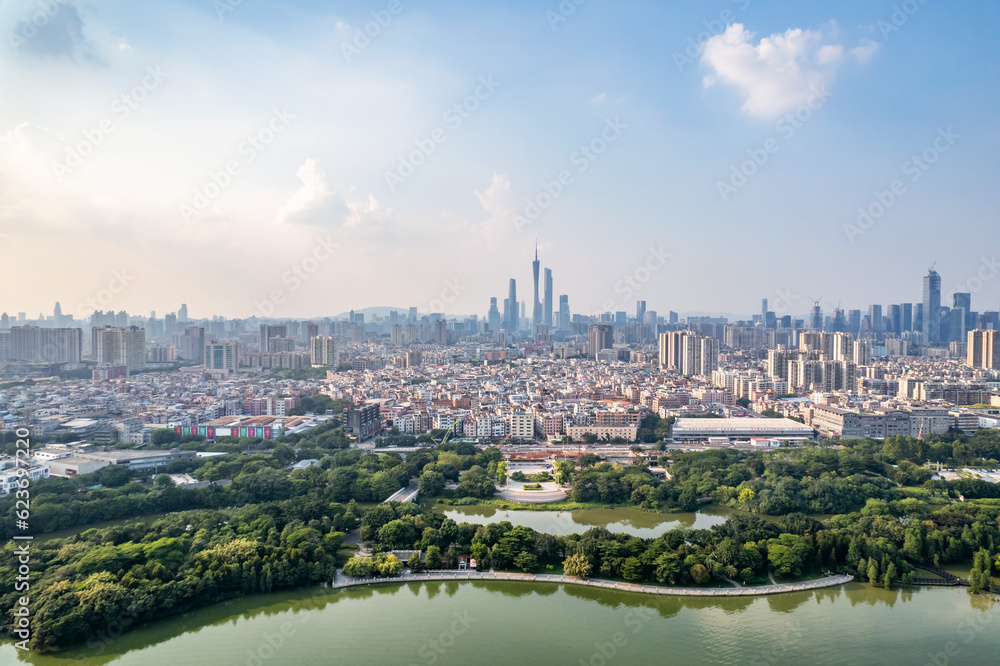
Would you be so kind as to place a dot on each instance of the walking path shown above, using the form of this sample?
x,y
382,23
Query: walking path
x,y
829,581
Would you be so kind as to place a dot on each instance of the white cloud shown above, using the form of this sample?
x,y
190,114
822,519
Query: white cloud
x,y
865,52
316,204
778,73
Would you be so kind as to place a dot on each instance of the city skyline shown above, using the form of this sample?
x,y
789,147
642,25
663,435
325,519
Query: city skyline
x,y
891,138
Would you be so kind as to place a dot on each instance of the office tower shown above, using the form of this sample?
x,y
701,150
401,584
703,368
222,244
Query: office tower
x,y
547,309
536,309
895,319
786,321
932,307
522,318
816,318
854,322
493,317
4,321
876,322
270,331
222,356
763,310
182,313
839,321
44,345
640,311
120,345
564,312
673,317
983,349
649,318
511,314
324,350
599,336
441,332
621,318
412,317
907,323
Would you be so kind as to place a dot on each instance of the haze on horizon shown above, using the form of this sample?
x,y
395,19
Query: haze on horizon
x,y
208,150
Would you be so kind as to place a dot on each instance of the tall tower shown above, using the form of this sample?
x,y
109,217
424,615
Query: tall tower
x,y
536,310
932,306
512,307
548,298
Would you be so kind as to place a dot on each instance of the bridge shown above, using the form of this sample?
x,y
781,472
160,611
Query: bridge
x,y
407,494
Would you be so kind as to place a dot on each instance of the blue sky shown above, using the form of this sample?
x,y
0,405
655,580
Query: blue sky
x,y
683,95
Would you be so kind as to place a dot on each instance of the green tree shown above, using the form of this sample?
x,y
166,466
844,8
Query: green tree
x,y
576,565
358,567
433,557
431,484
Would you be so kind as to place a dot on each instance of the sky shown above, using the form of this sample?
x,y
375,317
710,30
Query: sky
x,y
299,159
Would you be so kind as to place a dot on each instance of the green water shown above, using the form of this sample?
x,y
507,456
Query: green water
x,y
644,524
518,623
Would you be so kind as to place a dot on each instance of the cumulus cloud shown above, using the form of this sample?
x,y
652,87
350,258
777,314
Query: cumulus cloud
x,y
865,52
316,204
776,74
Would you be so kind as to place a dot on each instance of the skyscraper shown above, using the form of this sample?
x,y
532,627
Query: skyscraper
x,y
907,324
640,310
536,309
182,313
547,309
932,307
511,315
564,312
875,318
222,356
493,317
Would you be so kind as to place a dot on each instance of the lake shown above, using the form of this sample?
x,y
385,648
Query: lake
x,y
519,623
644,524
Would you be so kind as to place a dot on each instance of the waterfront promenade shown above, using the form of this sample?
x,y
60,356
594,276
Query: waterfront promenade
x,y
829,581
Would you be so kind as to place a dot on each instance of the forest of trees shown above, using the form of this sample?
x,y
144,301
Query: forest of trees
x,y
273,528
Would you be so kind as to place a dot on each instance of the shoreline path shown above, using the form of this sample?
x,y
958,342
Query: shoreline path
x,y
829,581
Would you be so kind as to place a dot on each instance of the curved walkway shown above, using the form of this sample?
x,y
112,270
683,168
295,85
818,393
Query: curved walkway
x,y
829,581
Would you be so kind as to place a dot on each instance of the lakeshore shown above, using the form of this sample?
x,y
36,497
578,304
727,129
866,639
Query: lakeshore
x,y
758,590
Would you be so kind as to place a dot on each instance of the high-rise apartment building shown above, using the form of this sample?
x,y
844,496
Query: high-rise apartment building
x,y
689,352
325,350
983,349
599,336
41,345
120,345
268,332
